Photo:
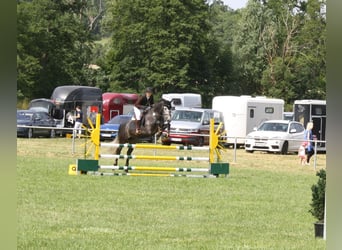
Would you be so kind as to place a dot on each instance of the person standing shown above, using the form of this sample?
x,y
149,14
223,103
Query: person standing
x,y
302,153
78,122
309,138
144,102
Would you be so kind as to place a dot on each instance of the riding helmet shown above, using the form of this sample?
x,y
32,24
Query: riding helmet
x,y
149,89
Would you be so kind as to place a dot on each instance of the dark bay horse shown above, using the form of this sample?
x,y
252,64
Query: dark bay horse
x,y
155,120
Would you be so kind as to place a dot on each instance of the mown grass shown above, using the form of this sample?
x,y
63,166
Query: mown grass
x,y
263,204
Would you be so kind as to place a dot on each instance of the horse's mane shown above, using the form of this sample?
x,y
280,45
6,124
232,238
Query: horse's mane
x,y
158,107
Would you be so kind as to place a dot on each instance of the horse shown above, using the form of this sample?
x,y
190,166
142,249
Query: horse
x,y
154,120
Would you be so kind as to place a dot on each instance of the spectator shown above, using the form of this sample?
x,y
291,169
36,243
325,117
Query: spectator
x,y
78,122
302,153
309,139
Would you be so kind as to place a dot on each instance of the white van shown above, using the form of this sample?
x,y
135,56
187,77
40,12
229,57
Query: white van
x,y
189,100
243,113
188,124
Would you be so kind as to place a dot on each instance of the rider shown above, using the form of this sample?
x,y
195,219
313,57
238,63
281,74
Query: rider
x,y
143,103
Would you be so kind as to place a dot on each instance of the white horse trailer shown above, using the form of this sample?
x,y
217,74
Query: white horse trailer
x,y
242,114
315,111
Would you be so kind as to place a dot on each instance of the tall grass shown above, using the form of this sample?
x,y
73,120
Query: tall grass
x,y
263,204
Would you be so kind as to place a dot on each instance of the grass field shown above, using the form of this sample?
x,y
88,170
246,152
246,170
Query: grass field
x,y
263,204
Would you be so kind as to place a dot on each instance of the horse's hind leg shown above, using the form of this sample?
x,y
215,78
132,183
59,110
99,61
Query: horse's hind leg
x,y
129,153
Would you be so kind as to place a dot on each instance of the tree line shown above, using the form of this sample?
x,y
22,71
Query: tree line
x,y
271,48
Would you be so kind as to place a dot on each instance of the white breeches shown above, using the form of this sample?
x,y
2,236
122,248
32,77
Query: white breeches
x,y
137,113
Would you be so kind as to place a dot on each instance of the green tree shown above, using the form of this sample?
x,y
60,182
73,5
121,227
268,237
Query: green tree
x,y
222,22
248,53
279,49
310,61
52,46
159,43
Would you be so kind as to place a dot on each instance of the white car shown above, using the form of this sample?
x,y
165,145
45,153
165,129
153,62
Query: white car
x,y
280,136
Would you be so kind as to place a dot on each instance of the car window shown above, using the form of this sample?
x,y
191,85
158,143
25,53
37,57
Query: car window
x,y
187,115
216,116
24,116
293,126
114,120
206,117
283,127
44,116
279,127
299,128
119,119
37,116
266,127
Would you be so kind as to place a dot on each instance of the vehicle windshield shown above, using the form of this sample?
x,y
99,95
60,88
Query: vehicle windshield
x,y
269,126
24,116
187,115
119,119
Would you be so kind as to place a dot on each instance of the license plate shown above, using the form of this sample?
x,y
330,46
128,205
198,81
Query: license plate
x,y
259,143
106,135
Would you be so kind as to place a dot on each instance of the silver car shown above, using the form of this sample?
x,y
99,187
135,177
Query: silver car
x,y
188,124
280,136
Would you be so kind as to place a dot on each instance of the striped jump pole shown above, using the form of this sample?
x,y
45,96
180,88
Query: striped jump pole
x,y
151,157
156,175
147,168
153,146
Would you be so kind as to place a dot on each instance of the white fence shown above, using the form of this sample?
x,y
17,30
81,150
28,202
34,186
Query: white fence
x,y
235,148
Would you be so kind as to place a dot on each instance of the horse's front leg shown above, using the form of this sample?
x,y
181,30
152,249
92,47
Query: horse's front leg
x,y
117,152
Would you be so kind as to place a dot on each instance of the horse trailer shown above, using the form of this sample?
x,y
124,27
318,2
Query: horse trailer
x,y
315,111
117,104
63,102
242,114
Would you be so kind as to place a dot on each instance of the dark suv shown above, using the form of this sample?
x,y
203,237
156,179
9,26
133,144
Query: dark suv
x,y
188,124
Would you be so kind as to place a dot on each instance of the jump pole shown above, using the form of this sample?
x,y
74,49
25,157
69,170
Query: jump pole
x,y
147,168
153,146
151,157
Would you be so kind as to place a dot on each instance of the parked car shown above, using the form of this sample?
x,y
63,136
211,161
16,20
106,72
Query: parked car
x,y
108,131
35,119
281,136
187,124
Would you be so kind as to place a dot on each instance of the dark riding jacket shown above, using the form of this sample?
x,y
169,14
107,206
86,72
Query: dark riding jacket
x,y
143,102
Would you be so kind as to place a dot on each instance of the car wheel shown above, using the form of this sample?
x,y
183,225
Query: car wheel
x,y
52,133
285,148
200,142
30,133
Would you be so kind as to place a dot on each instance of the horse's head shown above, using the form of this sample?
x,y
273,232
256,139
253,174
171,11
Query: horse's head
x,y
159,114
166,110
161,111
